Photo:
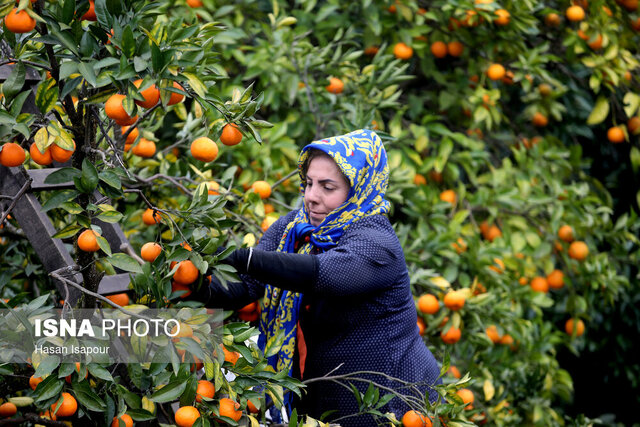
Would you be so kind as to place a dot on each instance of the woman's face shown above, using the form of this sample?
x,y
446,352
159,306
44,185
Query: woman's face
x,y
326,189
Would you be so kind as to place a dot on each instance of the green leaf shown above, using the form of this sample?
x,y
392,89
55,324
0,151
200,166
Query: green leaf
x,y
49,388
87,397
196,84
68,10
65,40
99,372
63,175
110,217
46,96
111,179
14,82
128,42
631,103
125,262
88,73
68,231
104,245
47,365
140,415
600,111
58,198
89,174
169,392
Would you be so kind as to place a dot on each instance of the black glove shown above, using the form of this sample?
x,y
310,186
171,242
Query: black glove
x,y
296,272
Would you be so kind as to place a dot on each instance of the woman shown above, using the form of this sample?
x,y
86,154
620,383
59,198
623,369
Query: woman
x,y
332,276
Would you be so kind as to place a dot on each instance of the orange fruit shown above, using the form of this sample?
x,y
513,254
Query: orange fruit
x,y
8,409
34,381
67,408
114,109
454,371
615,134
12,155
229,408
503,17
539,284
428,304
496,71
262,188
19,21
460,245
249,308
371,50
230,356
144,148
177,287
231,135
43,159
451,336
466,395
151,95
419,179
544,89
204,149
186,274
133,135
87,241
449,196
633,125
90,15
630,5
552,20
186,416
555,279
68,377
578,250
121,299
498,266
335,85
268,208
126,419
421,326
493,233
267,222
493,334
506,339
150,251
151,217
61,155
415,419
402,51
205,389
176,98
575,13
597,43
566,233
252,408
539,120
571,324
454,300
439,49
455,48
212,188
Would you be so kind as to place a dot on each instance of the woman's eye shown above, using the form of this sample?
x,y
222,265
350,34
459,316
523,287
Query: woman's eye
x,y
329,188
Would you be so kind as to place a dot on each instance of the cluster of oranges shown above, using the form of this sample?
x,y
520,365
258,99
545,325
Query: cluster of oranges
x,y
13,154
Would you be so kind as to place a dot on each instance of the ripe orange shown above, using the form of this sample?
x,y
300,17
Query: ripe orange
x,y
204,149
12,155
186,416
419,179
566,233
212,188
575,13
402,51
552,20
539,120
229,408
262,188
151,217
496,71
415,419
133,135
121,299
578,250
455,48
555,279
633,125
454,300
194,3
43,159
460,245
448,196
249,308
68,407
205,389
231,135
597,43
428,304
544,89
176,98
371,50
630,5
454,371
68,377
493,233
90,15
151,95
571,324
144,148
451,336
493,334
230,356
186,274
421,326
184,289
34,381
61,155
268,222
252,408
335,85
498,266
114,109
19,21
150,251
8,409
439,49
615,134
466,395
126,418
87,241
506,339
503,17
539,284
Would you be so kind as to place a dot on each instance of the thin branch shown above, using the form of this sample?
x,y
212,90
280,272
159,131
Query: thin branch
x,y
31,419
168,178
111,144
284,178
13,203
125,247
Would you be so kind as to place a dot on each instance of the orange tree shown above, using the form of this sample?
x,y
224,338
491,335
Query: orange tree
x,y
511,132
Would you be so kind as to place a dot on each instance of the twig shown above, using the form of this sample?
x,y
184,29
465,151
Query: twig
x,y
125,247
30,419
19,194
284,178
168,178
111,144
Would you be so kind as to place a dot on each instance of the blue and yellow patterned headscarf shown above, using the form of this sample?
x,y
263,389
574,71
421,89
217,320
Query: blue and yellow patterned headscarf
x,y
362,158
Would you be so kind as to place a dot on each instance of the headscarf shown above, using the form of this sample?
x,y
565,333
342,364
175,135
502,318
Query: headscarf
x,y
361,157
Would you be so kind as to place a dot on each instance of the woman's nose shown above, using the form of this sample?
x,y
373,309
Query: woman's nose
x,y
311,194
